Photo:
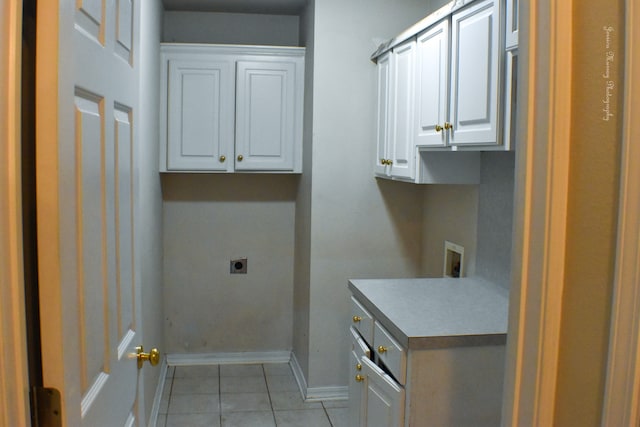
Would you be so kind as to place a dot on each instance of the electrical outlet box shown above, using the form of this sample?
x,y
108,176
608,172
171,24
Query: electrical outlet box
x,y
238,266
453,260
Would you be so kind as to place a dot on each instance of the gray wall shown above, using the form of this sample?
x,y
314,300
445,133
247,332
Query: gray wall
x,y
495,217
360,227
302,259
150,197
210,219
478,217
230,28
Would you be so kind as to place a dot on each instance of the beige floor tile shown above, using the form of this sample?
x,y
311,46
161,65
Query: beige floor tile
x,y
248,419
287,400
302,418
282,383
194,403
196,371
193,420
237,402
248,370
190,385
339,417
241,384
277,369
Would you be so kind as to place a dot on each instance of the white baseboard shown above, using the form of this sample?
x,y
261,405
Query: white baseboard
x,y
315,394
177,359
153,416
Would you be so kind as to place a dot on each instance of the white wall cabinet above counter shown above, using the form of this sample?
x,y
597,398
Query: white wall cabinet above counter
x,y
442,88
227,108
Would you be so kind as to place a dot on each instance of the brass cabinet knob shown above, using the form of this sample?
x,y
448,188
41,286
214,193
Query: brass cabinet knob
x,y
222,159
356,319
448,126
382,349
359,367
240,157
359,378
153,356
438,128
383,161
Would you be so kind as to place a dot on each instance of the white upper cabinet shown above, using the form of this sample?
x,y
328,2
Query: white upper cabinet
x,y
382,114
442,79
395,155
200,114
268,115
402,149
511,26
231,108
432,86
475,73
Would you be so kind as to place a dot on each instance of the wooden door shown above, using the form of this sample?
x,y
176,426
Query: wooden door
x,y
268,96
87,101
200,114
432,86
402,149
474,75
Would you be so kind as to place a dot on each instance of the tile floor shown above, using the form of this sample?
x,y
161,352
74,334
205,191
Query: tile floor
x,y
261,395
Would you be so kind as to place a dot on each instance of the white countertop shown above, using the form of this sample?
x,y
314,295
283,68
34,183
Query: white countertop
x,y
437,313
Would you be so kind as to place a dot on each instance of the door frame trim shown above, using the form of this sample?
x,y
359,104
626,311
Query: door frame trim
x,y
541,199
622,390
14,384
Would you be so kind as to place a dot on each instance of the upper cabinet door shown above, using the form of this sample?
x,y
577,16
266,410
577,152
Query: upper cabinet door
x,y
432,86
402,147
200,115
382,114
474,75
511,27
267,101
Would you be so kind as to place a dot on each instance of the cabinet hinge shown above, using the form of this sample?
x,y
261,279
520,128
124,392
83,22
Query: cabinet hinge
x,y
47,407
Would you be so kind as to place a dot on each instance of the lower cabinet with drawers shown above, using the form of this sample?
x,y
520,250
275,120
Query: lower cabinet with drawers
x,y
402,378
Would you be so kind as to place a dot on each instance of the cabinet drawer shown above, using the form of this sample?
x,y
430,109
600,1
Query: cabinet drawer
x,y
362,321
358,345
390,353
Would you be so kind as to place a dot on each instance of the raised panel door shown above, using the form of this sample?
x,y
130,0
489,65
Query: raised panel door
x,y
402,148
432,86
474,75
382,114
200,115
384,398
87,153
267,101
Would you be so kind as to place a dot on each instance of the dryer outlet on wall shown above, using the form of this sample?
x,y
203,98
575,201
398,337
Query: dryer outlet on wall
x,y
453,260
238,266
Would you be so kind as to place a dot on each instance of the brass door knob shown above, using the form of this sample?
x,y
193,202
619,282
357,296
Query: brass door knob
x,y
448,126
240,157
359,378
389,162
359,367
382,349
222,159
356,319
153,356
438,128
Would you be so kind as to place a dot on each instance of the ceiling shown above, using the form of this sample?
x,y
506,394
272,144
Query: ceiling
x,y
272,7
